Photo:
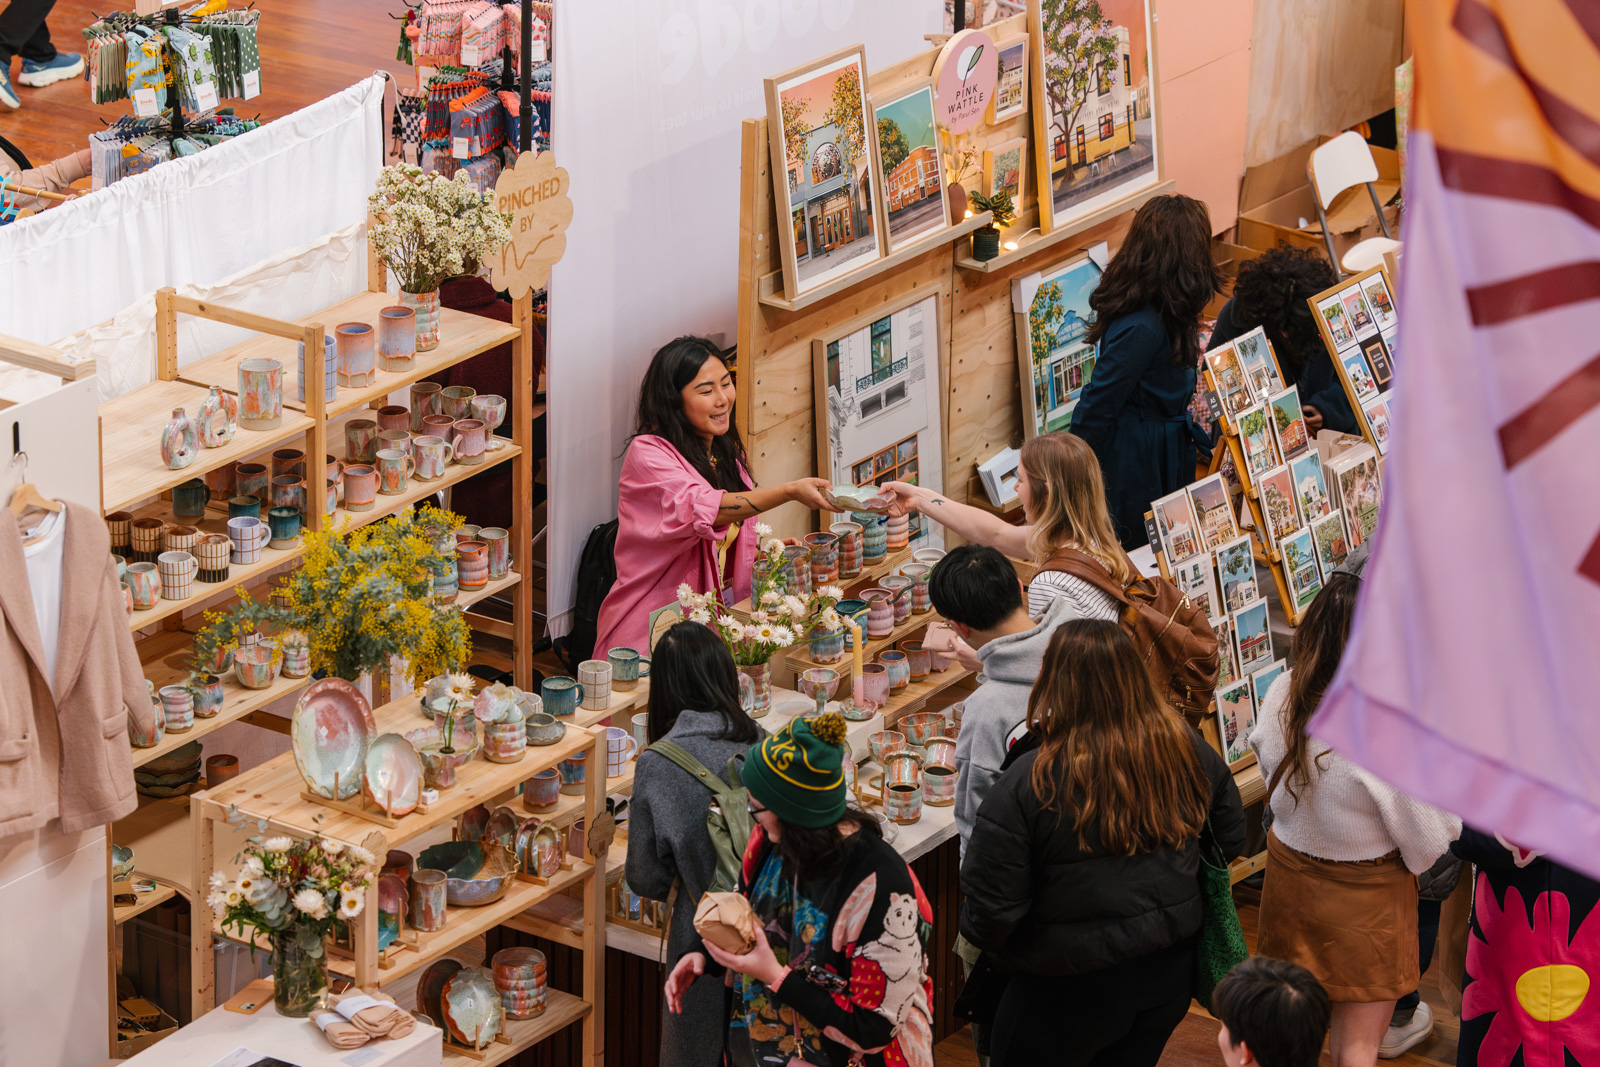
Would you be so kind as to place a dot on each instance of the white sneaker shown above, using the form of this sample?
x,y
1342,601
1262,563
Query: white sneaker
x,y
1401,1039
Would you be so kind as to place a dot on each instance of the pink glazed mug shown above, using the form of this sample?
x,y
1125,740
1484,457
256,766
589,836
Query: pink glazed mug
x,y
470,437
433,455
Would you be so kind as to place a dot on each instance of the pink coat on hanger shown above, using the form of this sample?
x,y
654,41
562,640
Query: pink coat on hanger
x,y
667,534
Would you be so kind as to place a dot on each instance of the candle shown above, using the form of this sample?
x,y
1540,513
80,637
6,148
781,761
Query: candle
x,y
858,684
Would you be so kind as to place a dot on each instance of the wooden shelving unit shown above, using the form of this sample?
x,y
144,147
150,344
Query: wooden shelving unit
x,y
1036,242
159,895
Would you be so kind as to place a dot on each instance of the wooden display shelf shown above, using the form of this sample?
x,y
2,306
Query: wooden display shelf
x,y
568,809
1252,787
159,895
158,833
561,1011
865,580
771,285
498,585
131,470
915,696
461,336
1028,246
341,520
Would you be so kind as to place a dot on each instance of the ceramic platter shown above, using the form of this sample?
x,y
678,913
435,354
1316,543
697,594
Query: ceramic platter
x,y
330,732
393,774
472,1008
469,827
430,988
502,827
524,844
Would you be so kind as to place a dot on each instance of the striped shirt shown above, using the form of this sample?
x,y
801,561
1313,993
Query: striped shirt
x,y
1085,600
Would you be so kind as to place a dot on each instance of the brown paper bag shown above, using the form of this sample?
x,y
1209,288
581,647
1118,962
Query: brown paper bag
x,y
725,920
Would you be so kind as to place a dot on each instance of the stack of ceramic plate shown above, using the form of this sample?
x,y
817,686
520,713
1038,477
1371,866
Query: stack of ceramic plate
x,y
177,774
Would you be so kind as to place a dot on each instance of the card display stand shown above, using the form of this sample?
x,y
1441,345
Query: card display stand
x,y
1363,354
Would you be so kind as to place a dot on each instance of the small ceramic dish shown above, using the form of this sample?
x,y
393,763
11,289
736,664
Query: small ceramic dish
x,y
847,497
182,758
121,862
470,824
501,828
330,733
545,729
392,774
471,1007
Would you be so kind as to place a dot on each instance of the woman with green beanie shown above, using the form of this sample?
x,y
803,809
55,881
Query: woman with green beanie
x,y
838,973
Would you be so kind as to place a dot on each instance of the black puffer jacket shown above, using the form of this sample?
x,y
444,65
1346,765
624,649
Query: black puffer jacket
x,y
1043,905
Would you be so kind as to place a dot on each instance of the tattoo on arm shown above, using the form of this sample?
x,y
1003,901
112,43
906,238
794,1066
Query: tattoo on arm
x,y
743,502
937,500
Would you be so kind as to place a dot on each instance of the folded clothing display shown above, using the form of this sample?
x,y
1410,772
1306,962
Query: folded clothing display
x,y
355,1017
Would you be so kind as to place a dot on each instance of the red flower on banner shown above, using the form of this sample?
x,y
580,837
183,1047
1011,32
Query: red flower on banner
x,y
1536,981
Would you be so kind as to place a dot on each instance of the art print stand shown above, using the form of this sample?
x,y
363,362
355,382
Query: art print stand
x,y
1360,327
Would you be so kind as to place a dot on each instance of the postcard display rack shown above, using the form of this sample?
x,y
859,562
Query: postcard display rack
x,y
1360,326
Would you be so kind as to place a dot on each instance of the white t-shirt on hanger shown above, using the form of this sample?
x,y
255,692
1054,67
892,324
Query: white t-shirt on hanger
x,y
43,557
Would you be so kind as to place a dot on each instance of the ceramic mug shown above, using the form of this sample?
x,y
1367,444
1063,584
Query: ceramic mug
x,y
144,583
360,487
400,439
394,417
397,337
488,409
180,538
220,769
620,748
875,684
120,525
572,773
595,675
393,467
211,557
438,425
560,695
627,667
355,354
252,479
899,669
260,393
177,574
542,791
284,523
641,728
433,455
220,482
207,696
456,401
470,437
244,507
288,461
249,536
146,536
177,703
499,542
189,500
360,440
424,401
330,384
288,491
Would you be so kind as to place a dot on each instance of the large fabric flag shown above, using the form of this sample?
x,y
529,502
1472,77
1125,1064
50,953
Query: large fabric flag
x,y
1472,679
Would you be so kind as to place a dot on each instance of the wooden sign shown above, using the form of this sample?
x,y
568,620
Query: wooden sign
x,y
964,80
535,192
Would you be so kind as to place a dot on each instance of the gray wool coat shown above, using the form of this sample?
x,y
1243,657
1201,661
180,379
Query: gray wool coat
x,y
666,841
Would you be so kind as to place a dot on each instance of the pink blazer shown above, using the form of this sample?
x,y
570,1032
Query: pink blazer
x,y
667,534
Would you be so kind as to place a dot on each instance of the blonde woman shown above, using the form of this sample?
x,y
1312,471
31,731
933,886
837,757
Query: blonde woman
x,y
1063,506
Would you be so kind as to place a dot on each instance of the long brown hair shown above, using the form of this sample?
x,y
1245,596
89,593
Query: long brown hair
x,y
1165,260
1069,502
1318,647
1110,751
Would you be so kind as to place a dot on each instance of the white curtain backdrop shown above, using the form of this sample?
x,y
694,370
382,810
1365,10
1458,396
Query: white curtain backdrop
x,y
195,219
647,116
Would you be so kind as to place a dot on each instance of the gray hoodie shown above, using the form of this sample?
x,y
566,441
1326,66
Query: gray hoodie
x,y
996,710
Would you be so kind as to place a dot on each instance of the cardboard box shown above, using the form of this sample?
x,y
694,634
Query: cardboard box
x,y
1276,197
130,1042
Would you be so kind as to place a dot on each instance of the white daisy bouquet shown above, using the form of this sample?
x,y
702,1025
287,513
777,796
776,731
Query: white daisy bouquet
x,y
294,887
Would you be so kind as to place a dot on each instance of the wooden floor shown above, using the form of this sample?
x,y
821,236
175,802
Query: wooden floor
x,y
1194,1043
310,49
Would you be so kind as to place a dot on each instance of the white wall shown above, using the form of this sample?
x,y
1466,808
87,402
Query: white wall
x,y
647,114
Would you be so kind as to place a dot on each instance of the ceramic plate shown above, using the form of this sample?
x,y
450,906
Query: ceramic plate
x,y
502,827
472,1008
430,988
330,733
393,774
470,826
856,497
394,902
524,846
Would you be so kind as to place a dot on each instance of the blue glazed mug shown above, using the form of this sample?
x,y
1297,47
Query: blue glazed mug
x,y
561,695
627,667
189,500
284,521
572,773
856,610
246,507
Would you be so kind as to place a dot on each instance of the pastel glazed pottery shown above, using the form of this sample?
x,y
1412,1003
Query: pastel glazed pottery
x,y
922,726
178,441
542,729
179,538
938,785
289,462
472,564
119,524
438,425
177,574
824,557
874,536
330,386
939,751
847,497
144,583
875,684
899,669
760,675
542,791
919,659
470,438
429,903
256,666
620,748
284,523
880,612
289,491
360,487
219,416
519,976
921,603
456,401
394,901
355,357
394,468
818,683
177,703
394,417
397,337
902,788
360,440
572,773
900,587
396,439
930,556
189,500
884,743
504,742
827,646
433,455
560,694
392,775
208,696
244,506
797,568
424,401
850,548
488,409
899,532
499,544
425,306
330,733
249,536
595,676
260,393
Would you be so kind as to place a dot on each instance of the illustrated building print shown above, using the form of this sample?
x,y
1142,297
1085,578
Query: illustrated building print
x,y
1216,525
1250,645
832,205
916,178
1183,539
1105,124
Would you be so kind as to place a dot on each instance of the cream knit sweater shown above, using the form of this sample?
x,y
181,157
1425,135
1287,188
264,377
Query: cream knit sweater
x,y
1345,812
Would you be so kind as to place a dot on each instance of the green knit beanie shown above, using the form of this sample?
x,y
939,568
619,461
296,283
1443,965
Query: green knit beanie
x,y
798,772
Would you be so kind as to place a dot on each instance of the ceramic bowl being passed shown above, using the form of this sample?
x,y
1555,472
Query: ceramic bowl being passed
x,y
330,733
545,729
847,497
392,774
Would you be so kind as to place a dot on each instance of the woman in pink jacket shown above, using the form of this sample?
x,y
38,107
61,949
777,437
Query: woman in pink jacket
x,y
685,495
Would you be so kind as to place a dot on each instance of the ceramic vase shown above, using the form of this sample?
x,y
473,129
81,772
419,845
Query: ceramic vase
x,y
425,306
355,357
208,696
760,675
260,393
397,338
299,979
296,659
424,402
219,416
178,441
256,667
472,564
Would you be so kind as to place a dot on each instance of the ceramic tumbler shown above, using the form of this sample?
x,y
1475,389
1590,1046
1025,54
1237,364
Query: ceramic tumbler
x,y
397,337
119,524
640,721
360,440
874,536
208,696
627,667
849,535
466,532
220,482
330,384
919,659
504,742
146,537
930,556
885,743
289,462
472,564
826,646
179,538
394,417
355,357
939,750
428,900
399,439
899,532
900,586
875,683
499,542
902,788
456,401
880,612
177,703
797,568
519,978
249,536
620,748
424,401
211,557
400,863
144,583
595,676
542,791
220,769
333,470
394,468
572,773
919,573
360,487
141,738
244,507
433,455
289,491
488,409
252,479
256,666
899,669
470,437
560,694
189,500
284,522
177,574
260,393
824,558
439,425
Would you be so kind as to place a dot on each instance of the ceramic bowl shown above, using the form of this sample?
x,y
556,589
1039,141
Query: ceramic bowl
x,y
847,497
430,988
393,774
472,1009
475,874
121,862
438,766
545,729
920,726
184,758
330,732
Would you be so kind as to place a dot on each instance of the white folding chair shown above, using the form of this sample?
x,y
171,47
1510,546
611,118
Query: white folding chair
x,y
1340,164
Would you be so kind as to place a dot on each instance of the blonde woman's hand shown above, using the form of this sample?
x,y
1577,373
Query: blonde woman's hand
x,y
905,497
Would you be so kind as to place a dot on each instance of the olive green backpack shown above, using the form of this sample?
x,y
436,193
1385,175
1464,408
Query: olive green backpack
x,y
728,820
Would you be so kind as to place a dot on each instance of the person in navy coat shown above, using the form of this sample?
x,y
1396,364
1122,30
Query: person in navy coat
x,y
1134,412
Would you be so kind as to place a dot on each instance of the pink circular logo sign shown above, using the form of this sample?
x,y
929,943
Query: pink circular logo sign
x,y
967,70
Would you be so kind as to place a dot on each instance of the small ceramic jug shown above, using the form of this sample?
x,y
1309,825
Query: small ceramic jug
x,y
178,441
219,415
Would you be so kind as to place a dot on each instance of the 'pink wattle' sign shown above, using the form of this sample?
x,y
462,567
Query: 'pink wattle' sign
x,y
964,80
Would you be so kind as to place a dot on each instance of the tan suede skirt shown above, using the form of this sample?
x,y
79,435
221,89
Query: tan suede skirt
x,y
1353,925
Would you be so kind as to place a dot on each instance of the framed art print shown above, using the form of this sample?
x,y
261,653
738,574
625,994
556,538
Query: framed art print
x,y
1355,306
1252,638
1175,520
1236,715
1300,571
1333,547
1236,567
818,125
1310,486
911,162
1011,82
1379,301
1276,493
1213,511
1094,105
1257,441
1288,423
1054,361
1228,379
1004,167
1258,363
